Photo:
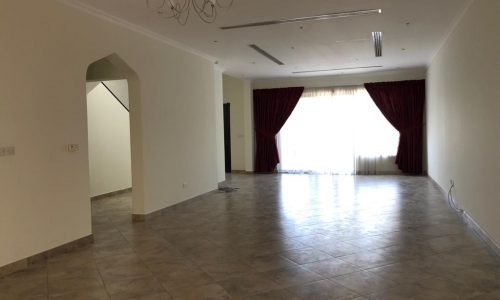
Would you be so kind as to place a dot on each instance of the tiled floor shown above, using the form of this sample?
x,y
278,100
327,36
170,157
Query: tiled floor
x,y
277,237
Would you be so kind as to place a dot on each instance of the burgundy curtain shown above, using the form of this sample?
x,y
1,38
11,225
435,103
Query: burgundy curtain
x,y
402,104
271,108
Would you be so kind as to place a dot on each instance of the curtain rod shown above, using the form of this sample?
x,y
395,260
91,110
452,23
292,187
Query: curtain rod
x,y
336,86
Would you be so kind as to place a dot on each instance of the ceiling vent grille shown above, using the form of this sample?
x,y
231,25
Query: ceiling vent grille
x,y
266,54
337,69
330,16
377,41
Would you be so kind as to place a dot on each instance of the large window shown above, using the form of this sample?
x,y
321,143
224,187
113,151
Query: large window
x,y
337,131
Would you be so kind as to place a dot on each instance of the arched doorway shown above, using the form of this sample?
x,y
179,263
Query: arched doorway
x,y
112,68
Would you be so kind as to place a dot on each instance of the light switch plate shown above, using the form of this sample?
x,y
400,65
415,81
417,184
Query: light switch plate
x,y
73,147
7,151
10,151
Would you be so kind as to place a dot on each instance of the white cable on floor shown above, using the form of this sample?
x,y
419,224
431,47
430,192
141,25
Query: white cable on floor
x,y
451,202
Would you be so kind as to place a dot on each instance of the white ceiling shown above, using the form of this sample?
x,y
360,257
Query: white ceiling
x,y
418,26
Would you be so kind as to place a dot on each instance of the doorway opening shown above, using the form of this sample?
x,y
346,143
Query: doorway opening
x,y
227,136
114,138
108,124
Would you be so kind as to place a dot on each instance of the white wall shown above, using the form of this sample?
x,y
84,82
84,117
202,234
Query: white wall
x,y
463,114
248,126
120,89
109,139
219,119
233,92
341,80
44,190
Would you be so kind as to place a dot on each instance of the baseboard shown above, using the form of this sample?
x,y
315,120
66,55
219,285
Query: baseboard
x,y
241,172
381,173
482,234
473,225
137,218
111,194
37,258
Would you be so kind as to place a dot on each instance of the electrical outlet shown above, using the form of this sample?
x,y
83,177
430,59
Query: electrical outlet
x,y
184,185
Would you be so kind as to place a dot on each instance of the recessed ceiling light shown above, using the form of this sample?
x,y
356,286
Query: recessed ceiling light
x,y
307,19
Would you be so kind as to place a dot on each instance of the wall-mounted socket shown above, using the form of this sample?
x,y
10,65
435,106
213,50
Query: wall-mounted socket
x,y
72,147
184,185
8,151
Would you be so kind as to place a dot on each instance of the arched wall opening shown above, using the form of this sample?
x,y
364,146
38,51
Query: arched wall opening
x,y
112,68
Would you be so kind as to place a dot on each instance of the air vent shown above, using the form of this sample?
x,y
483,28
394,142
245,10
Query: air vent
x,y
338,69
266,54
306,19
377,41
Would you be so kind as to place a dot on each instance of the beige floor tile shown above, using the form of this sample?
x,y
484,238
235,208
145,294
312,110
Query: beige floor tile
x,y
19,288
72,269
156,296
60,285
279,236
331,267
91,294
183,277
131,288
205,292
128,271
494,295
280,294
364,282
371,258
304,256
269,262
223,270
322,290
117,261
248,284
292,276
403,272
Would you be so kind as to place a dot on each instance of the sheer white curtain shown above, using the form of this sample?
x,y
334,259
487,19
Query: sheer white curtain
x,y
337,131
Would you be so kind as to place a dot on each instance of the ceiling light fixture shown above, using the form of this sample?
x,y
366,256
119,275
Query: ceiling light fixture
x,y
338,69
181,9
306,19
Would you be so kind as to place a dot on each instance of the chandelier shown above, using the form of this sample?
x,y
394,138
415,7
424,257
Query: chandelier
x,y
180,9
